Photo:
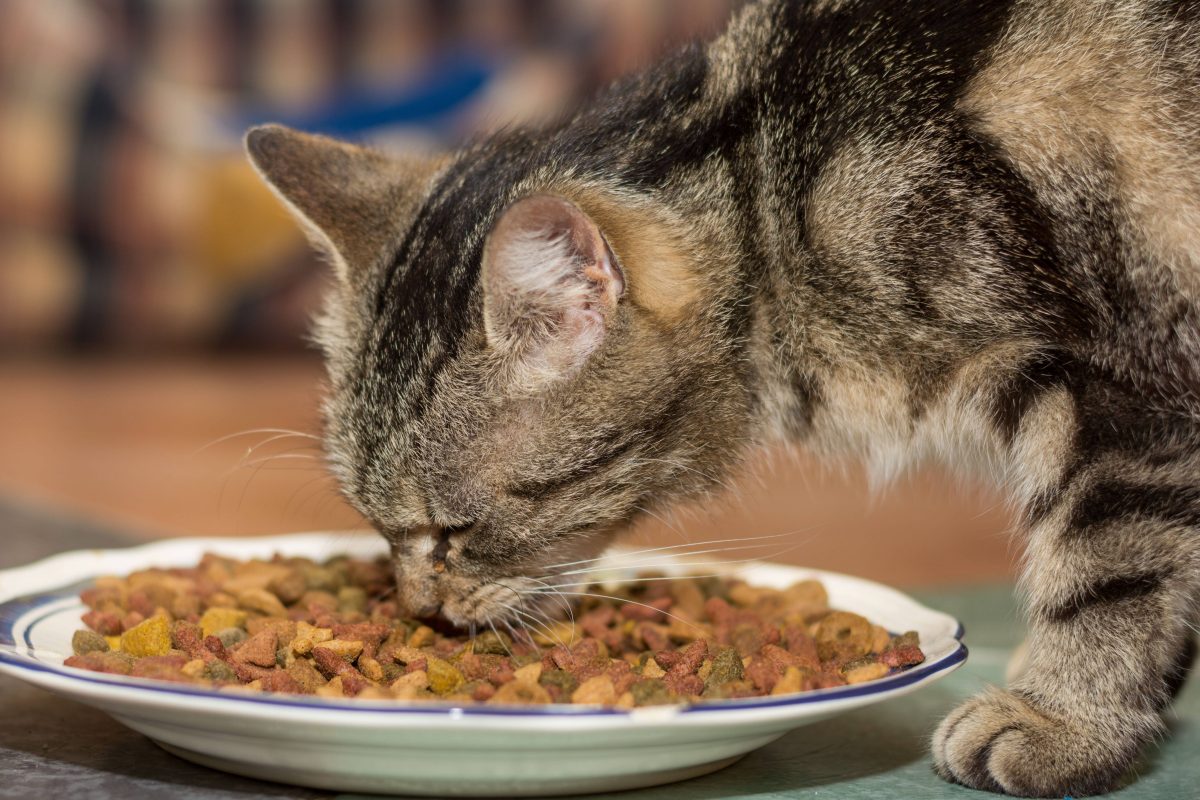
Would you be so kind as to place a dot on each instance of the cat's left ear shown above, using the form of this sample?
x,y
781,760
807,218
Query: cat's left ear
x,y
551,287
352,202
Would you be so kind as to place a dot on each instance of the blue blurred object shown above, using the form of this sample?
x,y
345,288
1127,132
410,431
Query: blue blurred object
x,y
449,83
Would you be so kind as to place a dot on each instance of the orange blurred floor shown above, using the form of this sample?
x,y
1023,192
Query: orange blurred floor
x,y
134,444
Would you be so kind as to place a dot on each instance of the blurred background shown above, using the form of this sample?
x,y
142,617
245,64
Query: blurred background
x,y
154,297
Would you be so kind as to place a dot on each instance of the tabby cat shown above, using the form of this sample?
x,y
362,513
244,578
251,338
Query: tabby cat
x,y
893,229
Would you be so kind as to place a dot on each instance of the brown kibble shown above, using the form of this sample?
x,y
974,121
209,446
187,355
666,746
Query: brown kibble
x,y
289,625
307,678
258,650
521,693
262,601
414,680
598,691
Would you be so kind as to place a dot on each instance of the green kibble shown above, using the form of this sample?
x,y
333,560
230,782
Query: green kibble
x,y
84,642
231,636
651,692
321,579
564,680
221,672
726,667
352,598
491,643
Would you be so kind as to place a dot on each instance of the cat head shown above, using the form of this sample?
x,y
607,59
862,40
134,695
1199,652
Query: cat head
x,y
520,362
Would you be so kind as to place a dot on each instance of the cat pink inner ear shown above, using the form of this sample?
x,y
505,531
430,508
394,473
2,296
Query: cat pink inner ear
x,y
551,284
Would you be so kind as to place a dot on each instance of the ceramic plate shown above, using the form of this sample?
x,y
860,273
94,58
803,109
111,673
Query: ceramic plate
x,y
433,749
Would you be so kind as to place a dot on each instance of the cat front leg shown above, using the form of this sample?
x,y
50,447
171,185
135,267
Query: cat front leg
x,y
1110,581
1110,593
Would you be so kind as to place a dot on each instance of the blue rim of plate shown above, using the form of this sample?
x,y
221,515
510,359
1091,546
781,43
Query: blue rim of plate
x,y
15,610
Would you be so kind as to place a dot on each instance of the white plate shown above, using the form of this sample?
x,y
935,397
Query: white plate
x,y
422,748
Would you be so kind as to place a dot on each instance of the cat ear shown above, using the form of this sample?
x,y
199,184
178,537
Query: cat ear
x,y
551,286
352,202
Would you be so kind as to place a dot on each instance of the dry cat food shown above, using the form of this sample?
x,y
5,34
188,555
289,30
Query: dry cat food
x,y
294,626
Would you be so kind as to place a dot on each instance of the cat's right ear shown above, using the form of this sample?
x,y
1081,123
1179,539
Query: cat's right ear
x,y
551,288
352,202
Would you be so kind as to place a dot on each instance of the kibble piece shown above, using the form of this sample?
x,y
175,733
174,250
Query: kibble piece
x,y
220,619
308,636
444,677
292,626
194,668
347,651
149,638
423,636
231,637
84,642
598,691
792,681
262,601
866,669
521,693
530,673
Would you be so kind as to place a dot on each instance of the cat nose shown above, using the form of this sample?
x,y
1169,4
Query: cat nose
x,y
428,610
441,549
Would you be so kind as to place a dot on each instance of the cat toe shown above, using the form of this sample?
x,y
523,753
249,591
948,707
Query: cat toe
x,y
997,742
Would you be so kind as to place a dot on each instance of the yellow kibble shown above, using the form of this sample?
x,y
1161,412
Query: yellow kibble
x,y
309,636
371,669
444,677
652,669
880,639
114,642
332,689
792,681
865,672
345,650
530,673
193,669
562,632
598,691
150,638
218,619
423,636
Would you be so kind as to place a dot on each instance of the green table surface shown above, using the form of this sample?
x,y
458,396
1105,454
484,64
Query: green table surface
x,y
50,746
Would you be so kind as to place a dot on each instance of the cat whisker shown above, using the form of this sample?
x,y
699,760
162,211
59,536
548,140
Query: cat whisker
x,y
251,432
626,600
680,560
605,582
672,547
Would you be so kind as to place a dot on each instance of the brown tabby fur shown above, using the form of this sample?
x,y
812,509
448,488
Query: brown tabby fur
x,y
889,229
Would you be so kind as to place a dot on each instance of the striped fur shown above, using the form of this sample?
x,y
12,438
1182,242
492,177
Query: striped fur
x,y
891,229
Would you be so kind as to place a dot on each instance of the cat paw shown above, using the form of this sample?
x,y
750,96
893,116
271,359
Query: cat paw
x,y
998,742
